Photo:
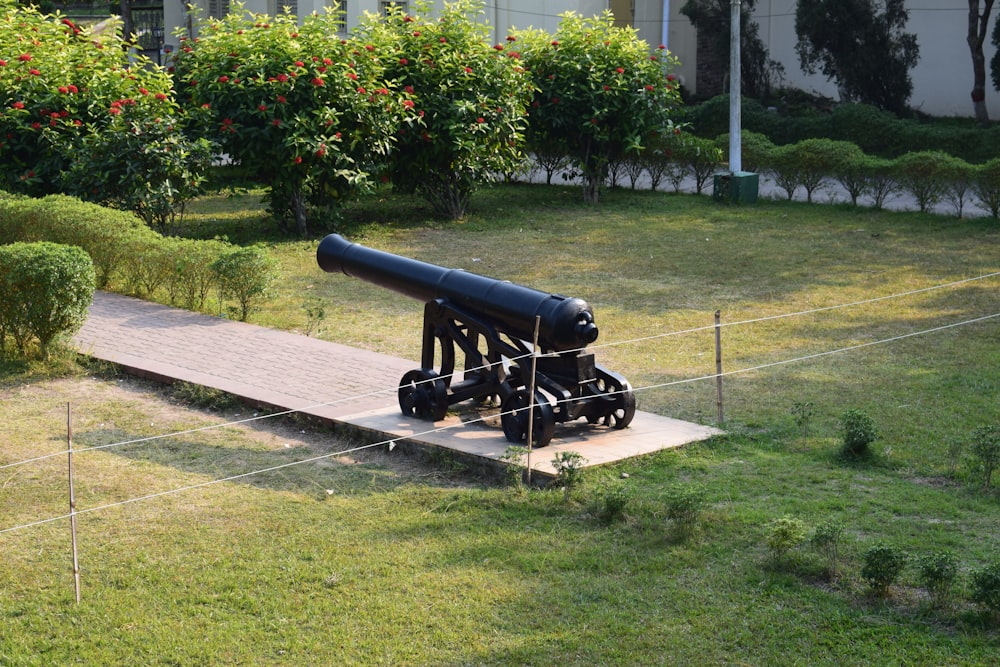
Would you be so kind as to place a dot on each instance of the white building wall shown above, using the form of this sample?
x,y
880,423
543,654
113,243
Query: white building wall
x,y
942,79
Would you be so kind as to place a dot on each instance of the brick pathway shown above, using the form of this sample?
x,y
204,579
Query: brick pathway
x,y
265,366
331,381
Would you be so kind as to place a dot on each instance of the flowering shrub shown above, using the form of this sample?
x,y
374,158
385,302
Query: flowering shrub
x,y
600,93
63,87
303,111
469,100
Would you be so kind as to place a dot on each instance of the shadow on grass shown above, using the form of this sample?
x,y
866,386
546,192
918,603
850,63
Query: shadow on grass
x,y
300,468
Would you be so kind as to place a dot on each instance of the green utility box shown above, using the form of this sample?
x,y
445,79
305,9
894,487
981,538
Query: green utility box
x,y
738,187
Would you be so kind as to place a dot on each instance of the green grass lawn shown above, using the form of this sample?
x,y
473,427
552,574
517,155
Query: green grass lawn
x,y
388,561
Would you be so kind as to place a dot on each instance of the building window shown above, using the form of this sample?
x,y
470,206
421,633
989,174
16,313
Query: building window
x,y
218,9
340,14
275,7
385,6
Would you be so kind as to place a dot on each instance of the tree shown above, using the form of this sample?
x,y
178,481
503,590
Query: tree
x,y
864,50
600,93
712,20
469,99
298,108
978,22
64,87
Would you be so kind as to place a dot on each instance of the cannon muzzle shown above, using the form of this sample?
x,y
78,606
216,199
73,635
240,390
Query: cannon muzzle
x,y
565,323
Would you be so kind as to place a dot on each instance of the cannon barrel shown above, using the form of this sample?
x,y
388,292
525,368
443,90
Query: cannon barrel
x,y
565,323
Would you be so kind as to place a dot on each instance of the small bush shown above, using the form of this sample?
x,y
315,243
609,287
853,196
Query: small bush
x,y
613,499
826,539
922,174
985,587
783,535
937,572
987,187
47,290
883,563
858,430
985,451
569,470
246,275
685,503
514,457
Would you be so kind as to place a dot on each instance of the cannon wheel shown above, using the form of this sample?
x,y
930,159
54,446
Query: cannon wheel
x,y
623,397
422,394
514,419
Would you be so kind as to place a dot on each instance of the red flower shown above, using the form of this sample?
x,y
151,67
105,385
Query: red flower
x,y
607,87
555,42
161,96
511,38
480,120
337,136
404,61
317,81
408,104
555,100
24,57
671,77
37,126
361,90
661,47
327,61
276,122
3,63
468,70
18,105
408,90
620,70
63,90
416,33
262,107
282,78
498,47
281,99
442,40
352,76
382,91
34,72
322,150
297,160
650,88
369,47
299,63
223,78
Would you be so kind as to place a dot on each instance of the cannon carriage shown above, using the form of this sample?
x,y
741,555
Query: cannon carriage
x,y
493,323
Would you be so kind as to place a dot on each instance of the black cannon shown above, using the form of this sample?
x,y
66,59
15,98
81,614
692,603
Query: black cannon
x,y
493,322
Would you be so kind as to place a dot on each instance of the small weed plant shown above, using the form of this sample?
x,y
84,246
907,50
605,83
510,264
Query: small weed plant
x,y
985,587
612,501
985,451
569,470
685,503
858,430
937,572
783,535
802,413
826,539
514,458
883,563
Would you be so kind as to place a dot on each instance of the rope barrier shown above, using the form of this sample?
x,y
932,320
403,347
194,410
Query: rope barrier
x,y
389,441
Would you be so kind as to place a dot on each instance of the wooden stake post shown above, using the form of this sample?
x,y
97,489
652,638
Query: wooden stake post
x,y
72,501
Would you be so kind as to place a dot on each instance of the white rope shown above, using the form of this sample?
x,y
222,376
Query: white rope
x,y
480,419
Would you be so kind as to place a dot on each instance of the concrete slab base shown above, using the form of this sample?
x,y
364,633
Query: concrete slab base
x,y
478,437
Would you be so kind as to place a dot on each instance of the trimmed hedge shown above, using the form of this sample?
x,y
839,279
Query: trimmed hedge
x,y
131,258
46,290
874,131
103,233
